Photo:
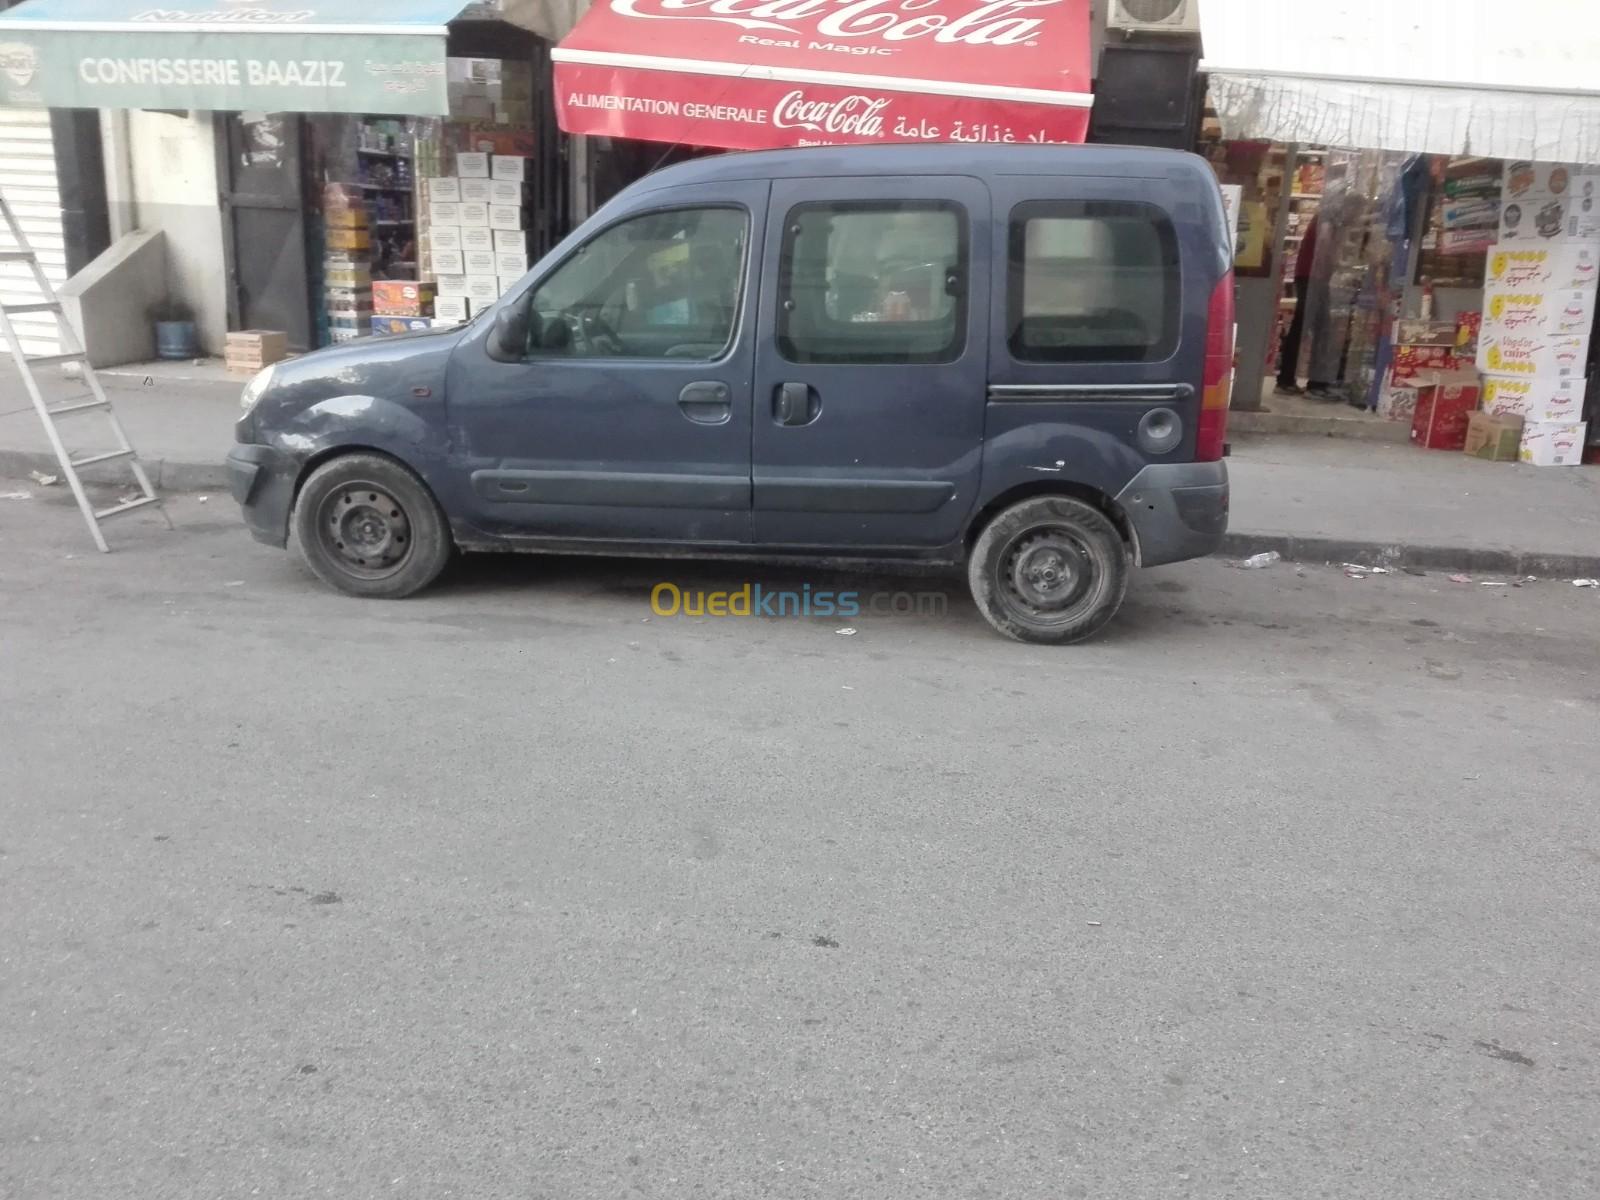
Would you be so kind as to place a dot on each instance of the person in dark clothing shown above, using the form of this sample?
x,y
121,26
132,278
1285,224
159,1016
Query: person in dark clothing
x,y
1289,351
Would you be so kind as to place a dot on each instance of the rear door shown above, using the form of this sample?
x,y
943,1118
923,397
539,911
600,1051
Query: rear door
x,y
870,362
1098,332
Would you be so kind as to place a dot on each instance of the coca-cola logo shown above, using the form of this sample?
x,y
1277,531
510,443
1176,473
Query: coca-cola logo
x,y
858,115
994,23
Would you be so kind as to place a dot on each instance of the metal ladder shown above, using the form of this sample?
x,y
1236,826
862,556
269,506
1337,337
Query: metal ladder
x,y
95,400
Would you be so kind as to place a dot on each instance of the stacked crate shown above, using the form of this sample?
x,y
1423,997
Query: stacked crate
x,y
347,262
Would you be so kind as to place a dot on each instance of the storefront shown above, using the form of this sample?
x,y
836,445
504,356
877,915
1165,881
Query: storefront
x,y
321,120
1430,153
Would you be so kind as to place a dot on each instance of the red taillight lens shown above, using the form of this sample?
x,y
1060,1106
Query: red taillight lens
x,y
1218,378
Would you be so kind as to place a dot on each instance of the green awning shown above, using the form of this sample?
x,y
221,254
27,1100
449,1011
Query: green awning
x,y
380,56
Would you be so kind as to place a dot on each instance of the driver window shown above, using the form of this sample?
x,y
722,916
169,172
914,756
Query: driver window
x,y
661,285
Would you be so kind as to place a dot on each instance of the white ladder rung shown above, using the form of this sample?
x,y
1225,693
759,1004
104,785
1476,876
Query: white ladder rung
x,y
56,360
44,306
100,514
61,410
100,458
16,256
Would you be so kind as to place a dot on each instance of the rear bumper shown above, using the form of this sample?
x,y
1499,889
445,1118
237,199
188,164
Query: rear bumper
x,y
262,481
1178,510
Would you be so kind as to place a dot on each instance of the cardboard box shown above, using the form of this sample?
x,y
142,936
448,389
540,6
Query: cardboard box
x,y
1542,268
444,190
347,276
509,166
510,239
477,239
505,216
449,262
1550,202
351,302
472,164
1397,401
480,262
505,191
475,191
474,215
1409,363
1444,409
349,239
507,282
1494,438
445,214
444,237
345,218
1534,399
482,289
386,325
512,263
1424,333
1545,444
1515,311
402,298
1529,355
251,350
451,287
457,309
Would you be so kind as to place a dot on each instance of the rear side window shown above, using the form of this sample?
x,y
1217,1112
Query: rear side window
x,y
1092,281
873,283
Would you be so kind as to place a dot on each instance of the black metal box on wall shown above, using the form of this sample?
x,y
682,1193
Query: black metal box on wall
x,y
1148,94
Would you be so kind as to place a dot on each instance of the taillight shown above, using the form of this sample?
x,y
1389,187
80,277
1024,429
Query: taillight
x,y
1217,381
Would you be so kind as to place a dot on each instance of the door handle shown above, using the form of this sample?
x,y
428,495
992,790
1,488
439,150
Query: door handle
x,y
791,404
706,403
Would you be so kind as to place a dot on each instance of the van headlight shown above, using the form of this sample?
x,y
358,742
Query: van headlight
x,y
254,389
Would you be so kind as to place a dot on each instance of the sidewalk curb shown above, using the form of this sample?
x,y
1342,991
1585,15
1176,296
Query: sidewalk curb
x,y
166,476
1423,556
213,477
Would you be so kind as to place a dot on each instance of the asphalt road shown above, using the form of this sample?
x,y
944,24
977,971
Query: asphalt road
x,y
1286,888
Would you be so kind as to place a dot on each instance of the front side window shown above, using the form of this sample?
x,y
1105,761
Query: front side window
x,y
1093,281
662,285
873,283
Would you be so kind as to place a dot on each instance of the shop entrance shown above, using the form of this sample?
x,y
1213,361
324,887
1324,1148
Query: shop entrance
x,y
259,173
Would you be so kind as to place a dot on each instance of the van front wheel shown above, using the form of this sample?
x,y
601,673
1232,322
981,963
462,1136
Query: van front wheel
x,y
1050,570
368,526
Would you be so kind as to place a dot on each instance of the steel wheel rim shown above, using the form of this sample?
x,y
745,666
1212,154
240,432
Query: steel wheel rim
x,y
364,530
1047,573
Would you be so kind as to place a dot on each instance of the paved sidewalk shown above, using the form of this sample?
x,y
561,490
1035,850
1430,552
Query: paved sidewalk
x,y
1310,499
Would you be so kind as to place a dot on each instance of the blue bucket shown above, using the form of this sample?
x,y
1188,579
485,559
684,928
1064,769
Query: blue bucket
x,y
177,339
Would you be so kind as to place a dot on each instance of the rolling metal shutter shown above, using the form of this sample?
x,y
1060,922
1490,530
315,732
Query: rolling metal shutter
x,y
28,179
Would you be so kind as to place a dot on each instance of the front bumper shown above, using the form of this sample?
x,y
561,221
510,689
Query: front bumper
x,y
262,481
1178,510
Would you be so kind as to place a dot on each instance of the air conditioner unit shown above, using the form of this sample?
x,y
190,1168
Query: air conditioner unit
x,y
1155,16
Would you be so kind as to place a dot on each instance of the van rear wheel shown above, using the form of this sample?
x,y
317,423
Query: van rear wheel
x,y
368,526
1050,570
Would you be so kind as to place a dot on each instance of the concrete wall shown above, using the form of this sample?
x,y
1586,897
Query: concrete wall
x,y
109,300
172,168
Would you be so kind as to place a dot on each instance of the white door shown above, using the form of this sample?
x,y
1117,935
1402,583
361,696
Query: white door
x,y
28,180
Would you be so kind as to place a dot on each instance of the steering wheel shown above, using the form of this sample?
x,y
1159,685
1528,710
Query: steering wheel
x,y
598,335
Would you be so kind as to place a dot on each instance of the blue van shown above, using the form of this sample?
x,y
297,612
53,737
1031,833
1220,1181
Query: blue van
x,y
1014,358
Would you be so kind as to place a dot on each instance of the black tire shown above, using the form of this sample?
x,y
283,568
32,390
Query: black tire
x,y
366,525
1051,570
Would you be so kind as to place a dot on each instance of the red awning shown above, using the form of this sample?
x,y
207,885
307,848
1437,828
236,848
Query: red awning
x,y
759,74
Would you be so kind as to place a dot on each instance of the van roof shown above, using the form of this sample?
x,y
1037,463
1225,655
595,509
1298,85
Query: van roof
x,y
941,158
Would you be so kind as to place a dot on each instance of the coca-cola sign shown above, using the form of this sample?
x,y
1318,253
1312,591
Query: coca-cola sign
x,y
995,23
857,116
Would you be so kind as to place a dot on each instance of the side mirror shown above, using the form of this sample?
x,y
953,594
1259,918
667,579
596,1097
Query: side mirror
x,y
508,340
